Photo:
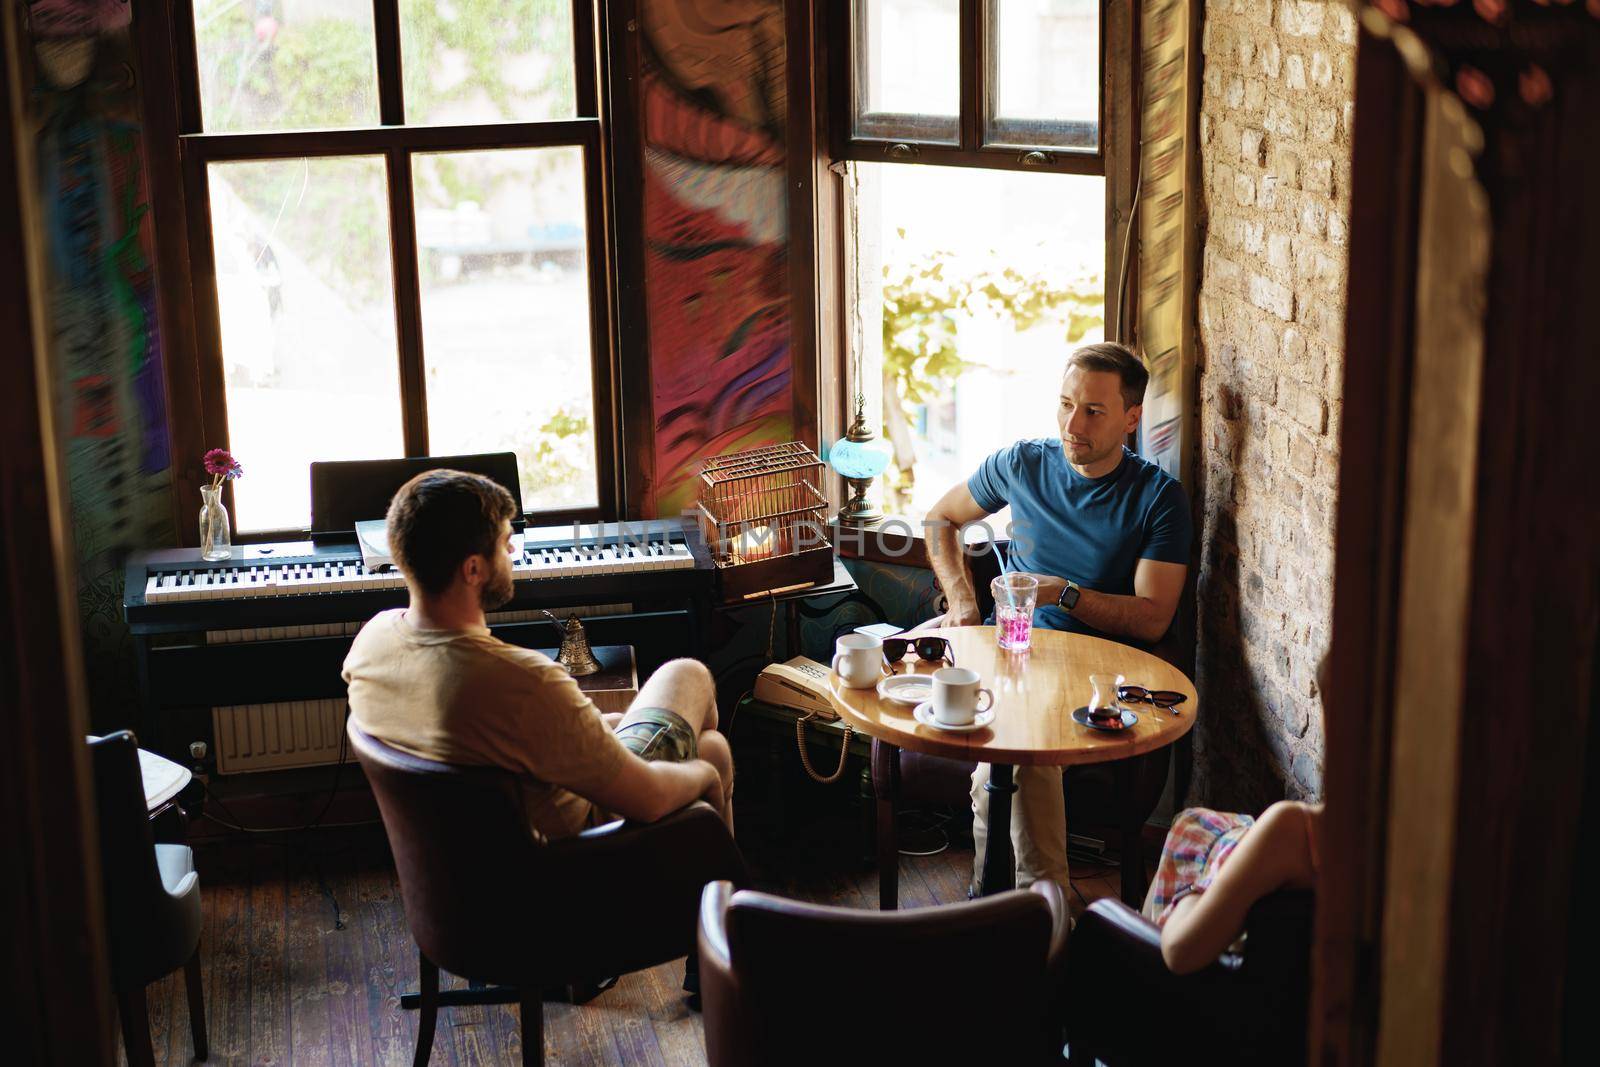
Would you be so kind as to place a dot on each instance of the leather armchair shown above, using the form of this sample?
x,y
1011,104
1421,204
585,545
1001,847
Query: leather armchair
x,y
485,900
1247,1008
787,982
152,897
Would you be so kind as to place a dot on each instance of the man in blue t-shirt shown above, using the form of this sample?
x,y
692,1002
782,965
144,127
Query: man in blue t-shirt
x,y
1106,533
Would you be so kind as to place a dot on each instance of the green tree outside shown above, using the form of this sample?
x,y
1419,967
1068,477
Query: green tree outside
x,y
922,303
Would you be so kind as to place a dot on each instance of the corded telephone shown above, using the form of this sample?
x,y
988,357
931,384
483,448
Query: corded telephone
x,y
800,683
803,684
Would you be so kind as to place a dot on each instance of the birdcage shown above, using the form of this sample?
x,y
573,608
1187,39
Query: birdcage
x,y
764,520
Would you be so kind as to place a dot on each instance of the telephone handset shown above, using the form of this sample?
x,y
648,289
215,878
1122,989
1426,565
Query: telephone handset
x,y
802,683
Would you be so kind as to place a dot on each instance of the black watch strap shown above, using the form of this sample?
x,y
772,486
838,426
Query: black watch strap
x,y
1069,597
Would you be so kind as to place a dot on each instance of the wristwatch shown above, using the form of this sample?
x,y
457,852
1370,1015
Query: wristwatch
x,y
1069,596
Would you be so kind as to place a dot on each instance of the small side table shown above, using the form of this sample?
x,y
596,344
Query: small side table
x,y
823,741
616,683
163,780
842,585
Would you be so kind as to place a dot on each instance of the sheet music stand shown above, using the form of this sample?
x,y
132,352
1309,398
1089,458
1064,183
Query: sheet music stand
x,y
344,492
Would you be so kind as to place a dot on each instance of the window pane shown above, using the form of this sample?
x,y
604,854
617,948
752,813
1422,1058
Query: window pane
x,y
487,60
286,64
308,338
501,240
1043,72
980,308
908,70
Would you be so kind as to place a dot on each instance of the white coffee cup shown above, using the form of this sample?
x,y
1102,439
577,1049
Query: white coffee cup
x,y
858,660
955,695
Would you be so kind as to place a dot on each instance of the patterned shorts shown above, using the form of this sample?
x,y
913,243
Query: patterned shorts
x,y
1199,843
658,734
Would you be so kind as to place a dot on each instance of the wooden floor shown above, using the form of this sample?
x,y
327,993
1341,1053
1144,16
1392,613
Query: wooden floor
x,y
306,953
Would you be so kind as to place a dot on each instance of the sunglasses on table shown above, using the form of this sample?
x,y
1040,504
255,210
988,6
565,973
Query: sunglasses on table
x,y
1161,698
932,649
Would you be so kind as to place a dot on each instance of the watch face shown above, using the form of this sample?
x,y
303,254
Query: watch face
x,y
1068,598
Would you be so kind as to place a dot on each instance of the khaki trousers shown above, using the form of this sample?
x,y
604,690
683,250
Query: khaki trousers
x,y
1038,825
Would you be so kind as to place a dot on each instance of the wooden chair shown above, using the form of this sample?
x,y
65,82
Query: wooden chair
x,y
486,901
152,899
787,982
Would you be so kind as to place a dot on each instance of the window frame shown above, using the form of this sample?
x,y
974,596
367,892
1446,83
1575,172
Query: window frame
x,y
1116,161
179,157
977,21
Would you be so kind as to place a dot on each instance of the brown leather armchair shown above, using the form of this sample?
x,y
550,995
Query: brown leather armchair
x,y
152,897
488,902
1247,1008
787,982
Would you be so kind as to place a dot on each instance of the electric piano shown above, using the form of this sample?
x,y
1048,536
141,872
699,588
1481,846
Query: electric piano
x,y
246,653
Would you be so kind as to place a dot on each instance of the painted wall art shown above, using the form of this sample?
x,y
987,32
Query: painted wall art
x,y
716,233
99,261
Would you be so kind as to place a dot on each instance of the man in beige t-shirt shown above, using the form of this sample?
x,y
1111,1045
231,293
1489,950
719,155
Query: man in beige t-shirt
x,y
431,680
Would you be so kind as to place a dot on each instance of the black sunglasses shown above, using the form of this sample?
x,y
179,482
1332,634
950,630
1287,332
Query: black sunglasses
x,y
928,648
1161,698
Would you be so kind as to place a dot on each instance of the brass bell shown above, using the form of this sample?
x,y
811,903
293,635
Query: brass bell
x,y
575,655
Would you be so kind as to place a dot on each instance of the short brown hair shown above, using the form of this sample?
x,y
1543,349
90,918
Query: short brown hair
x,y
441,517
1115,359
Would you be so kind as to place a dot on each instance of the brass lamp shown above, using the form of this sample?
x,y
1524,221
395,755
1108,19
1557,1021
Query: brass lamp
x,y
859,457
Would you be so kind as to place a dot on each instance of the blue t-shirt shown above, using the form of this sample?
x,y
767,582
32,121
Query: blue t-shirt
x,y
1091,530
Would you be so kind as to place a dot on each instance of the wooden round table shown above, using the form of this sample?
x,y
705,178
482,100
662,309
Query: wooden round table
x,y
1035,693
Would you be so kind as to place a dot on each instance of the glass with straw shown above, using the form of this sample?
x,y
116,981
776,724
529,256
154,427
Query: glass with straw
x,y
1014,598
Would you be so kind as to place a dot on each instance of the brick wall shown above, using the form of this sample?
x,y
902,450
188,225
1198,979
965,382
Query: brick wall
x,y
1275,117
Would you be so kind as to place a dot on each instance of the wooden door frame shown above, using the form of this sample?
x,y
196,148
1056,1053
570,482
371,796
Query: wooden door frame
x,y
1447,896
57,985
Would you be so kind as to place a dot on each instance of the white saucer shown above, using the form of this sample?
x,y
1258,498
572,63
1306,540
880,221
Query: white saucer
x,y
923,713
907,688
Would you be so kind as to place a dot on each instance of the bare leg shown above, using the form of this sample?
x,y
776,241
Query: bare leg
x,y
685,686
715,751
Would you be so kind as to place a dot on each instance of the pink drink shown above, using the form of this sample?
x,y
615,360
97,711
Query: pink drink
x,y
1014,627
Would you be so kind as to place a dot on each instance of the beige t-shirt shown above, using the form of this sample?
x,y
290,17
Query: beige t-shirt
x,y
466,697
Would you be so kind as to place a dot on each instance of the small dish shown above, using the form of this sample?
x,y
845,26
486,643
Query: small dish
x,y
1081,717
923,713
909,689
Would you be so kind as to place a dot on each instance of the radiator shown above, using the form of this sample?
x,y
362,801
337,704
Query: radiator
x,y
272,737
306,733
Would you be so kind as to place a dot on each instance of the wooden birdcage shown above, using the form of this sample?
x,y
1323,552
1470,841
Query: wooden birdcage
x,y
764,520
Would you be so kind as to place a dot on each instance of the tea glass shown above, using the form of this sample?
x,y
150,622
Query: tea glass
x,y
1105,704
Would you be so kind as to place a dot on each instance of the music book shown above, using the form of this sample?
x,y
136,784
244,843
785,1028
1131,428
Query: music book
x,y
373,537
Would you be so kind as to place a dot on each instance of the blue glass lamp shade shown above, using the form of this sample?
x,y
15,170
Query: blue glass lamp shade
x,y
859,459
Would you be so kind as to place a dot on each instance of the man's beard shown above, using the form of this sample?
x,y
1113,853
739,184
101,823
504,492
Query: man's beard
x,y
497,592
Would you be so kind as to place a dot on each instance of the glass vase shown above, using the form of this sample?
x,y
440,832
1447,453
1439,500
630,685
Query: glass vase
x,y
216,542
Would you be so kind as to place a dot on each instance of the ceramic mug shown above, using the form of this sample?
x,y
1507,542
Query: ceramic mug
x,y
858,660
955,695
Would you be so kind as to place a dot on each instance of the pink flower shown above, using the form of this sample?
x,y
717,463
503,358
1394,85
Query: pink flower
x,y
220,464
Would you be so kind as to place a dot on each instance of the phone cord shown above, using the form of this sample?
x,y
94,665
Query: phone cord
x,y
805,757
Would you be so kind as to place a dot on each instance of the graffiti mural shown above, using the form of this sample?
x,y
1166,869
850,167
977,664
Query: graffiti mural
x,y
101,292
716,232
